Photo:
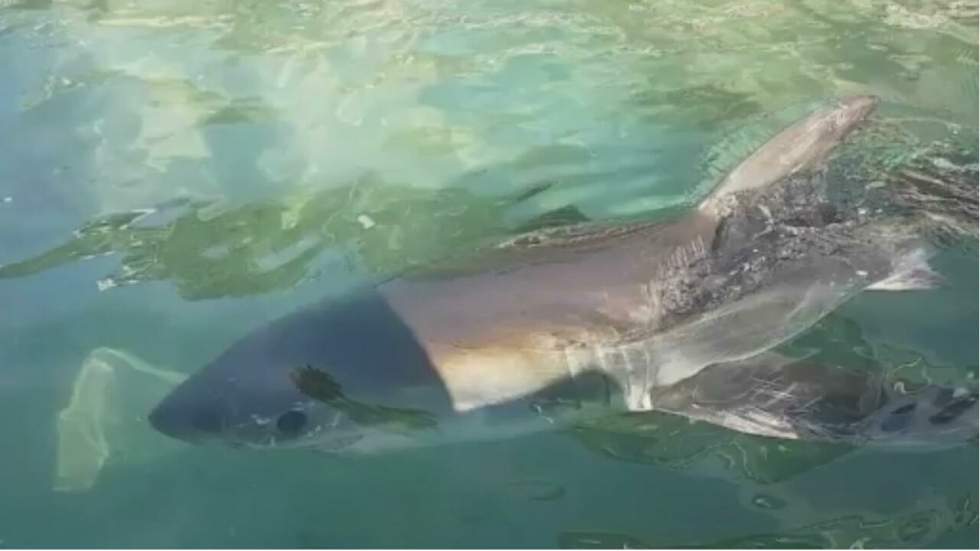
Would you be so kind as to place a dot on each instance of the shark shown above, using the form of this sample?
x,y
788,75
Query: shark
x,y
556,325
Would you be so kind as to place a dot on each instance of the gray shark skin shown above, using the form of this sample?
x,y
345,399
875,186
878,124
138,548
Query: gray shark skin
x,y
559,324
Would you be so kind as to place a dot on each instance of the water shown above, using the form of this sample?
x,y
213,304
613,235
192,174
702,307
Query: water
x,y
289,150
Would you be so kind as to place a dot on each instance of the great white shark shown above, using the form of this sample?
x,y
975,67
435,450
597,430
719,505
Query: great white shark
x,y
555,325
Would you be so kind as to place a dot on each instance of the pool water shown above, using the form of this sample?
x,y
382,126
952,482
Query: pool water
x,y
176,173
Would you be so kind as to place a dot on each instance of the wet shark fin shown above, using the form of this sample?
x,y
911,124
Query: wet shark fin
x,y
912,273
321,386
801,147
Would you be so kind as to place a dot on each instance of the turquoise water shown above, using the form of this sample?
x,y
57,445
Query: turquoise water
x,y
174,174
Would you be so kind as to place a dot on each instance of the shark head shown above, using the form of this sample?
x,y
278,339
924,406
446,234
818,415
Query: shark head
x,y
323,377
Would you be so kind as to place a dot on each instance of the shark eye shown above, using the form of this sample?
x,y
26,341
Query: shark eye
x,y
291,422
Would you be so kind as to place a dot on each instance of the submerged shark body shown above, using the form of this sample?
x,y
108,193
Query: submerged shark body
x,y
559,324
798,399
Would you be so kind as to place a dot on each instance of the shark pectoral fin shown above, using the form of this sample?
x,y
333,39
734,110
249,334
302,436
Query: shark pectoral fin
x,y
917,280
757,322
321,386
912,273
389,419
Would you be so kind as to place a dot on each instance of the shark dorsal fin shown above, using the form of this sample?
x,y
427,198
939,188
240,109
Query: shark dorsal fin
x,y
803,146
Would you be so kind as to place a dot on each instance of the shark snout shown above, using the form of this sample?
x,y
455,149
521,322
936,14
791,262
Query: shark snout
x,y
190,421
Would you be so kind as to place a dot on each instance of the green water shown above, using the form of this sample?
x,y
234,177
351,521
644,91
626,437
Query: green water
x,y
293,149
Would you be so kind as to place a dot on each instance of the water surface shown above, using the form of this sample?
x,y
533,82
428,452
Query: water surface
x,y
176,173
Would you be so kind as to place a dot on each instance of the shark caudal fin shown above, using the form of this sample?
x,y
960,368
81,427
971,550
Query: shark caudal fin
x,y
801,147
